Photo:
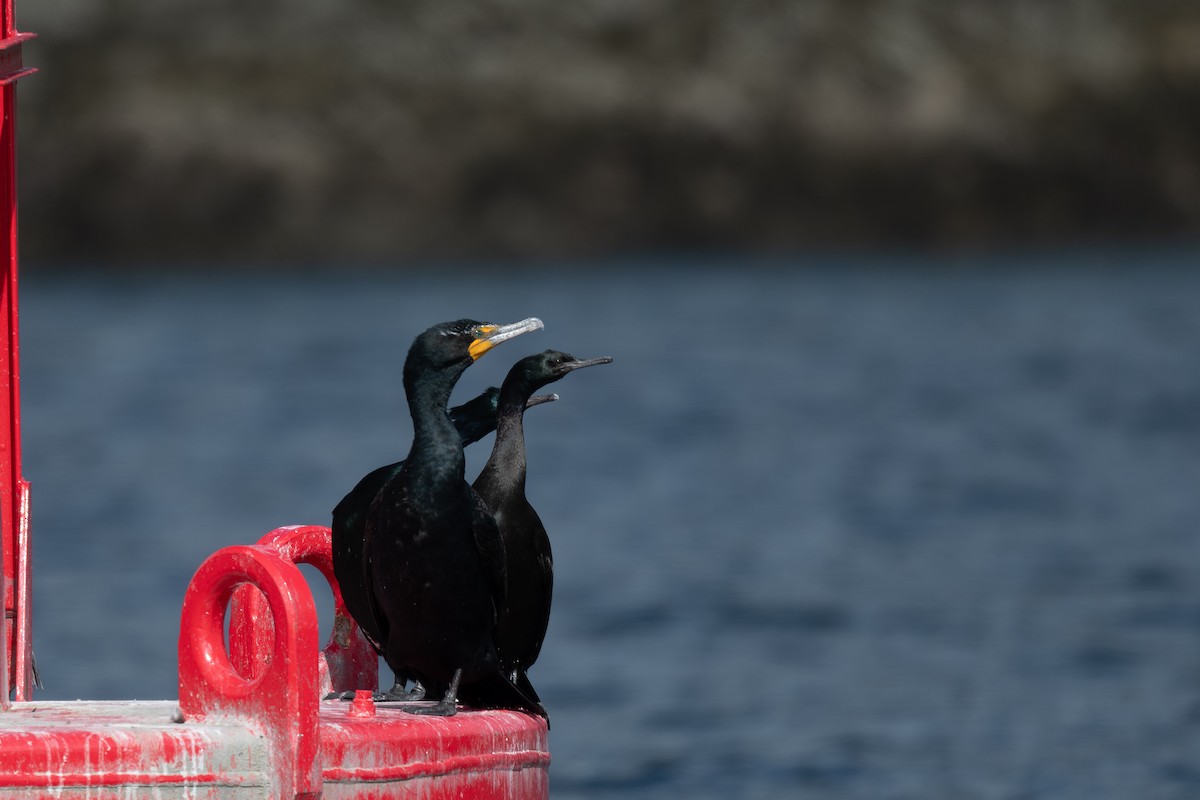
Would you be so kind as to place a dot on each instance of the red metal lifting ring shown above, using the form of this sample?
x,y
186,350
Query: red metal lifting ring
x,y
350,662
282,698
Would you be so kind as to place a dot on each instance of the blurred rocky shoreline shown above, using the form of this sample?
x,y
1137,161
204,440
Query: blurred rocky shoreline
x,y
369,131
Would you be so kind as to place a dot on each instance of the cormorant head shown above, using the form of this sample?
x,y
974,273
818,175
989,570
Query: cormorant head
x,y
465,340
549,366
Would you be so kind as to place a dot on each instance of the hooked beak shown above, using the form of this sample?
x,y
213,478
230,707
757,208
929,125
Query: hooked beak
x,y
585,362
492,335
538,399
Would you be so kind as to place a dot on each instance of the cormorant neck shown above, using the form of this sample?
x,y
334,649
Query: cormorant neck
x,y
506,465
435,439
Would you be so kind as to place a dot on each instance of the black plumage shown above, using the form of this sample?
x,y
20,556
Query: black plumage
x,y
433,554
529,562
472,420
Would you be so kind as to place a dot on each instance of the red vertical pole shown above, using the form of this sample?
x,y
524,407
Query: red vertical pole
x,y
14,490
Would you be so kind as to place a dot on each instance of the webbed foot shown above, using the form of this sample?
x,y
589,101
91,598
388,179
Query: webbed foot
x,y
398,693
446,707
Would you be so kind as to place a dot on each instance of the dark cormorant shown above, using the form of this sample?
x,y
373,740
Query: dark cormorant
x,y
473,420
434,557
529,564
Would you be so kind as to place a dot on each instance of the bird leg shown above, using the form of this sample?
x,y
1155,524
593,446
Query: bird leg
x,y
447,706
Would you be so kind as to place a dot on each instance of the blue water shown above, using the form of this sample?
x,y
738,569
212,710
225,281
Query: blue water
x,y
830,528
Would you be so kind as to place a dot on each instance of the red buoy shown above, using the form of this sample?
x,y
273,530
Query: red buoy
x,y
250,720
265,731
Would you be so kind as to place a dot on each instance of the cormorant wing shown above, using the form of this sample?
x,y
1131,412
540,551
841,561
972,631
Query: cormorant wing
x,y
349,541
491,549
